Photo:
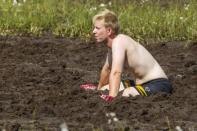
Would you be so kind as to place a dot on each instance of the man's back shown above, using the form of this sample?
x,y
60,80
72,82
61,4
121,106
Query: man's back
x,y
140,62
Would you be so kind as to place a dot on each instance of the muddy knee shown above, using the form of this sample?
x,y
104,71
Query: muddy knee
x,y
106,87
131,91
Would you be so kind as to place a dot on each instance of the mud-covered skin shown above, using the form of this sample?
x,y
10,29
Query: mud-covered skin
x,y
40,78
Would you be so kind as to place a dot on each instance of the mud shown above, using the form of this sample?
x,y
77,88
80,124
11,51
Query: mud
x,y
40,78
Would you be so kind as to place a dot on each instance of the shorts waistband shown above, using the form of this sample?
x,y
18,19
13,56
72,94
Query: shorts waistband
x,y
156,80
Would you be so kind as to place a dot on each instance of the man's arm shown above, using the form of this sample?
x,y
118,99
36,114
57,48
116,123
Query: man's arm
x,y
118,56
104,76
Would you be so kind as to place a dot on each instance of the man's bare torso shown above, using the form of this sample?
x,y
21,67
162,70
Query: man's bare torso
x,y
138,60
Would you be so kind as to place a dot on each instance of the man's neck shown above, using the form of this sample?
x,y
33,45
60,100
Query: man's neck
x,y
110,41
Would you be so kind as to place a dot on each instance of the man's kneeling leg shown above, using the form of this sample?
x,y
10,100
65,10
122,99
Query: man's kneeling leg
x,y
130,91
106,87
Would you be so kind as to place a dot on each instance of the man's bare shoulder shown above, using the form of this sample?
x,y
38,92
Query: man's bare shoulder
x,y
119,41
124,38
126,41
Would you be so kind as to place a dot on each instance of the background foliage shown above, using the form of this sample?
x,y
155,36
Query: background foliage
x,y
142,19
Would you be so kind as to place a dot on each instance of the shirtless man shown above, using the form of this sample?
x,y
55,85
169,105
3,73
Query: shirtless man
x,y
123,52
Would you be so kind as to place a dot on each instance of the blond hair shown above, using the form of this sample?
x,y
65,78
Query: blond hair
x,y
110,19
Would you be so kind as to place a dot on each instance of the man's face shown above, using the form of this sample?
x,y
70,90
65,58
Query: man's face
x,y
100,31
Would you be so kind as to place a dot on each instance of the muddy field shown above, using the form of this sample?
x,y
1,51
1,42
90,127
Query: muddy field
x,y
40,78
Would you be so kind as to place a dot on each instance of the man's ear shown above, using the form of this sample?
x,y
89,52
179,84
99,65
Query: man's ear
x,y
109,31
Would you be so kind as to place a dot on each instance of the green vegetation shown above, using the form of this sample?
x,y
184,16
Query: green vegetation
x,y
142,20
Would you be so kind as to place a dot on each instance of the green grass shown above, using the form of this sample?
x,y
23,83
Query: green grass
x,y
70,18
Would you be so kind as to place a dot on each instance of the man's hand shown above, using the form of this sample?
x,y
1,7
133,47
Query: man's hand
x,y
107,98
88,86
